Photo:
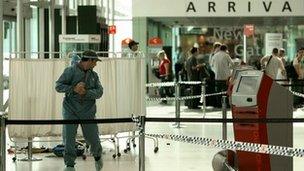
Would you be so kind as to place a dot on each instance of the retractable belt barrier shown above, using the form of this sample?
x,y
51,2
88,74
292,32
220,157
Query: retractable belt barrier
x,y
61,122
135,120
171,84
297,94
141,121
234,145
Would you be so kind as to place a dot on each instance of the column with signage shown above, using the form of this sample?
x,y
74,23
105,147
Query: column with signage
x,y
155,45
248,31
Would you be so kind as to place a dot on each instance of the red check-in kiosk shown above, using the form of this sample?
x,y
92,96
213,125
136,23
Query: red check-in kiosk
x,y
255,95
234,76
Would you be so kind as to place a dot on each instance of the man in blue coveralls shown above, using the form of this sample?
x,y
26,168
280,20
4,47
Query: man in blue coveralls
x,y
82,87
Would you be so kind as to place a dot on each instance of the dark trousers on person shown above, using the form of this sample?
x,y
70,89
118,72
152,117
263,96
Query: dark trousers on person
x,y
220,85
164,91
195,90
178,68
210,89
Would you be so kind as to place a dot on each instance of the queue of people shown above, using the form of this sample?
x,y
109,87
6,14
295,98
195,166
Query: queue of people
x,y
214,69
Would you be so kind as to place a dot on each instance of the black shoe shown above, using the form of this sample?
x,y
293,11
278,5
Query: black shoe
x,y
197,107
164,102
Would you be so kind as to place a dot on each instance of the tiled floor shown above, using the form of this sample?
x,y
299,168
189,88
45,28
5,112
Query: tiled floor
x,y
172,156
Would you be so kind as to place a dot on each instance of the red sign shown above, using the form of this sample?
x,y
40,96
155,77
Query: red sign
x,y
155,41
248,30
112,29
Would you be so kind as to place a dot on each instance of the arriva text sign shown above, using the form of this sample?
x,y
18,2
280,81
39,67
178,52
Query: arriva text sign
x,y
217,8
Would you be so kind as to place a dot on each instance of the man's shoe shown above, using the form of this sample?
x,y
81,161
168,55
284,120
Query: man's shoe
x,y
164,102
197,107
98,164
69,169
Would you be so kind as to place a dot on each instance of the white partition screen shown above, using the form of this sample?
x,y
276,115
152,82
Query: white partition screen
x,y
33,95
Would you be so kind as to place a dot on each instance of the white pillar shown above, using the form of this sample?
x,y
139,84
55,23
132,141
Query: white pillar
x,y
63,16
51,28
27,38
41,32
113,15
108,12
20,28
245,49
94,2
1,55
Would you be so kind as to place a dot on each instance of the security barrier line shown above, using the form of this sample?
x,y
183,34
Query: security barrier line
x,y
164,84
141,121
297,94
184,97
234,145
171,84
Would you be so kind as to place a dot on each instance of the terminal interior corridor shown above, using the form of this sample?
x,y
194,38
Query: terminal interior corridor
x,y
105,61
172,156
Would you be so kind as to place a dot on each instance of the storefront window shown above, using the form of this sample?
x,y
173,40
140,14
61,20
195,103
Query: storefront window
x,y
257,45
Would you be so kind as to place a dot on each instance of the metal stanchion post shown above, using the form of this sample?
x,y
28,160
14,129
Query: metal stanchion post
x,y
224,112
177,103
203,100
3,142
142,143
30,152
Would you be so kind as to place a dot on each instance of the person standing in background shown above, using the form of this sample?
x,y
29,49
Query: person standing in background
x,y
134,49
280,76
282,56
273,64
216,48
179,65
298,64
164,74
193,71
222,65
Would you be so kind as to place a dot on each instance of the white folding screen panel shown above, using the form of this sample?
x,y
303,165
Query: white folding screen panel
x,y
33,95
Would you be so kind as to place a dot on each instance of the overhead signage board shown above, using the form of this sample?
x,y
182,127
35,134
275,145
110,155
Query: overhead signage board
x,y
273,40
79,38
217,8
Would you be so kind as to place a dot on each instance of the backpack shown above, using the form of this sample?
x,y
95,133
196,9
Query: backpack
x,y
291,71
59,149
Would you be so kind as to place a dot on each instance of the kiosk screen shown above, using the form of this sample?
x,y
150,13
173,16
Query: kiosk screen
x,y
248,85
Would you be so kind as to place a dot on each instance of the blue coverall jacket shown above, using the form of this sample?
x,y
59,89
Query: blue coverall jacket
x,y
76,106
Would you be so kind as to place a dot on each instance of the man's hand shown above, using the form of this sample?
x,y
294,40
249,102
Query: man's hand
x,y
80,88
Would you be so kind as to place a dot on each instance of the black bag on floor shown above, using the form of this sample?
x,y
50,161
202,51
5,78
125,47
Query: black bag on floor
x,y
59,150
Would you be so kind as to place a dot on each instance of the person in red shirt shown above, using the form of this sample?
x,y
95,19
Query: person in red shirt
x,y
164,73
